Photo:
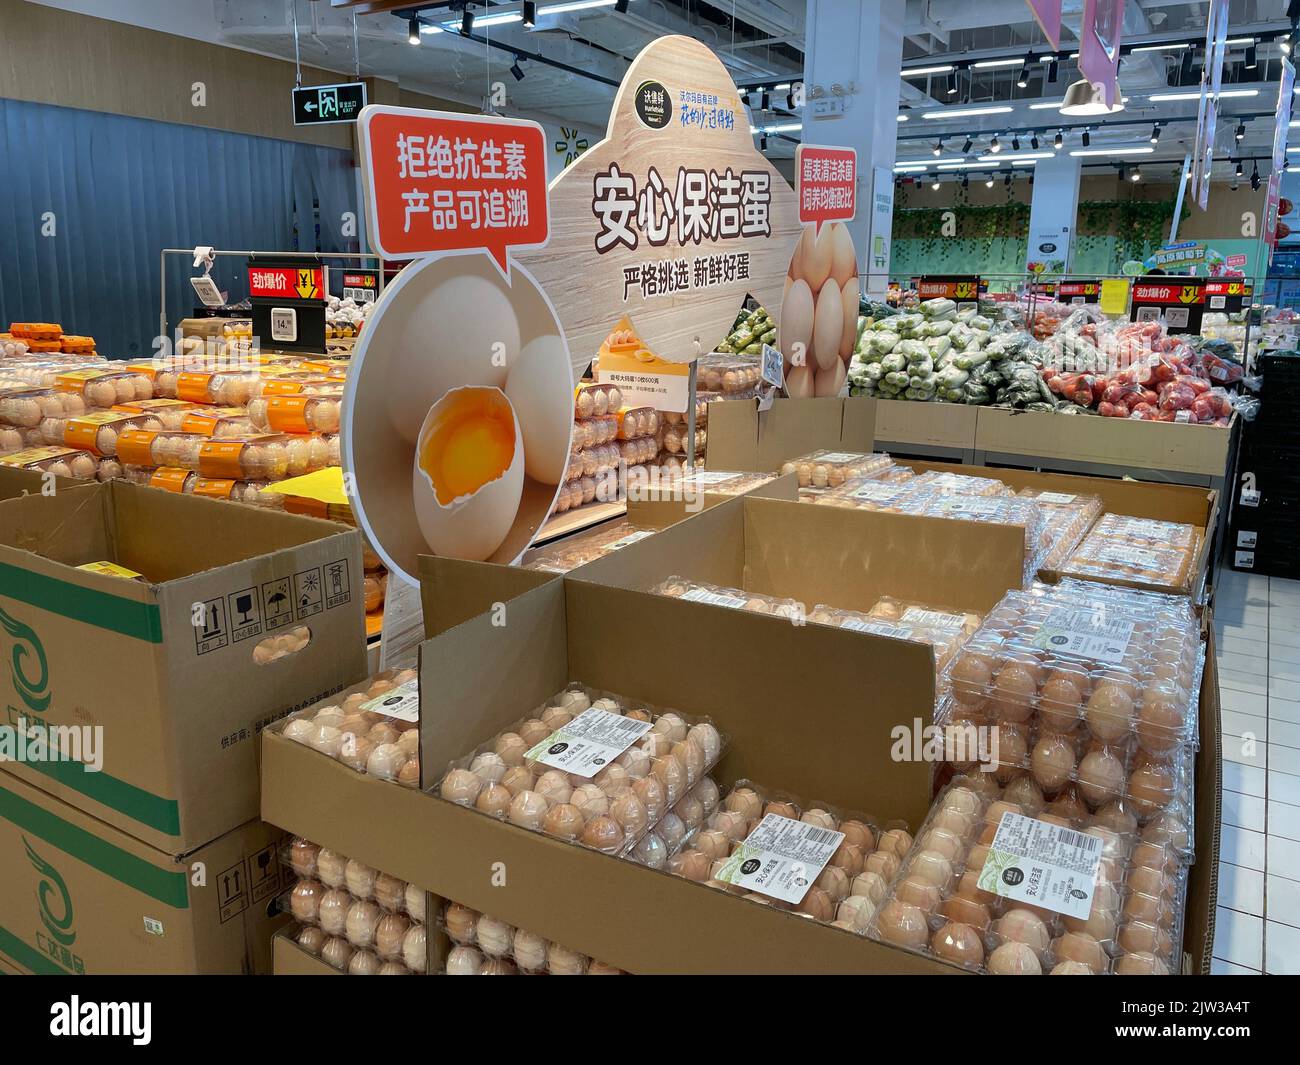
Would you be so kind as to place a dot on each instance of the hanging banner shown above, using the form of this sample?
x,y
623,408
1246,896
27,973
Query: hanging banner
x,y
1207,113
437,182
827,182
1281,124
882,228
1099,36
1048,14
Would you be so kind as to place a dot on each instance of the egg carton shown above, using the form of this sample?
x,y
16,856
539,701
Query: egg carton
x,y
634,422
487,946
170,412
592,400
829,469
1113,664
582,490
857,855
676,440
1138,550
99,431
58,461
250,458
944,631
514,777
593,432
581,548
924,500
880,492
960,483
216,423
223,387
636,452
292,382
728,374
43,372
375,590
371,727
702,399
732,598
719,482
1067,517
678,827
181,481
25,407
302,413
103,386
947,901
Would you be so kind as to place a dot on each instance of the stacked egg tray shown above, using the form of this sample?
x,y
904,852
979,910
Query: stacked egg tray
x,y
1093,690
719,482
1067,517
372,727
925,499
734,376
886,491
510,777
318,412
57,461
948,901
187,482
255,457
1140,550
487,946
679,826
859,856
47,337
594,455
587,546
960,484
732,598
830,469
361,921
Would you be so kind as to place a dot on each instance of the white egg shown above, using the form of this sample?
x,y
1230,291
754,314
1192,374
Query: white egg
x,y
817,258
540,388
799,382
844,259
472,521
849,298
828,325
829,382
464,332
796,328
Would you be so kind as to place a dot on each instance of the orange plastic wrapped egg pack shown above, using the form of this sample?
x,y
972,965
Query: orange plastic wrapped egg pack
x,y
606,793
1137,551
483,945
855,856
355,918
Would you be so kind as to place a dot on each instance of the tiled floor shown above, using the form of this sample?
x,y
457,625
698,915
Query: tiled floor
x,y
1257,628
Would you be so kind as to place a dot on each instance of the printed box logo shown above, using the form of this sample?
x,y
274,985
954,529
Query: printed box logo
x,y
56,914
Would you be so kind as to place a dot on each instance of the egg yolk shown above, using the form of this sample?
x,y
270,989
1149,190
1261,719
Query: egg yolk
x,y
471,445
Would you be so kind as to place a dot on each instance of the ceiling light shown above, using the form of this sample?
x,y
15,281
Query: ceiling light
x,y
910,168
1007,180
1140,149
1023,157
1136,175
935,183
1240,169
784,127
1254,176
989,183
965,112
1085,98
499,18
762,142
413,30
967,146
979,164
990,64
902,117
1015,143
952,83
938,146
1240,40
1033,142
621,7
1195,94
1058,140
765,102
1046,105
783,85
920,72
965,181
1022,79
530,13
1252,57
1172,46
1155,133
575,5
994,145
1087,138
466,21
1240,131
517,70
1051,72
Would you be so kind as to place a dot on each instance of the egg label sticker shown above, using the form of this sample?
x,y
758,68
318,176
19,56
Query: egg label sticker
x,y
781,858
1086,632
589,742
1043,865
402,702
838,458
704,595
976,508
920,616
878,492
1056,497
630,538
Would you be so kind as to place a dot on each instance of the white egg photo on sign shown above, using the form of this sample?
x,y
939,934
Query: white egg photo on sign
x,y
457,414
819,312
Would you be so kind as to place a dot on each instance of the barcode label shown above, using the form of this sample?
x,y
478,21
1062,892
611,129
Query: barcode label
x,y
879,628
1042,864
589,742
705,595
970,508
781,858
402,702
630,538
1085,631
711,477
933,618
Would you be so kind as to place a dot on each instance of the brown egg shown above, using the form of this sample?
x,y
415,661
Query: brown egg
x,y
1026,793
744,801
651,793
972,676
835,882
782,809
1014,692
518,778
731,824
494,800
1012,752
1160,722
630,813
919,892
1014,959
1101,776
527,810
713,843
510,747
902,924
848,857
1143,936
691,864
882,862
460,786
1023,926
945,842
817,904
959,944
895,841
932,866
953,821
966,911
1110,711
1099,924
1060,701
1052,761
533,731
1117,818
1069,805
564,820
1080,947
603,834
1150,788
1141,963
859,834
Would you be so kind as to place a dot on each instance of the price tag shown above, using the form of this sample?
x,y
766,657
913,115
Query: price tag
x,y
630,538
1042,864
781,858
773,367
934,618
589,742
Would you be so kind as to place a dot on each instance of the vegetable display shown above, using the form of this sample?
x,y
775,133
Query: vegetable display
x,y
752,330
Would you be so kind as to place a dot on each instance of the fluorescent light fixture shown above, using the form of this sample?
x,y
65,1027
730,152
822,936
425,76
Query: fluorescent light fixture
x,y
1023,157
989,64
574,5
1293,151
1195,94
500,18
1173,46
978,165
783,85
1240,40
903,118
1046,105
920,72
911,168
426,29
1142,149
784,127
966,112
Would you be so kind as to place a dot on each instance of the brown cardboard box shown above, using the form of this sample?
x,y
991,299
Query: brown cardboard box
x,y
79,896
485,675
179,703
659,507
289,959
741,437
900,421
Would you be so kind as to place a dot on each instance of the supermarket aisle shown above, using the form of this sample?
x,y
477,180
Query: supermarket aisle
x,y
1257,626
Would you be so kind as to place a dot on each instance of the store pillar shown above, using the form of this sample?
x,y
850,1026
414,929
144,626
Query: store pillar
x,y
1052,214
856,47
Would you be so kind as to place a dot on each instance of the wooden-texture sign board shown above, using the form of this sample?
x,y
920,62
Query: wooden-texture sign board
x,y
672,219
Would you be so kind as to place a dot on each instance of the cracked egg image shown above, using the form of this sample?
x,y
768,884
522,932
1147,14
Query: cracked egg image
x,y
458,413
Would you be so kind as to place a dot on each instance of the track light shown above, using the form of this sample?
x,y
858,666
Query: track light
x,y
621,6
1058,140
1123,173
1240,169
1240,132
466,22
1252,57
1136,175
1254,176
1087,138
413,30
952,83
517,70
789,101
1185,67
1051,72
1022,79
989,183
1015,143
1033,142
994,146
965,181
1155,133
967,146
766,101
1234,186
935,183
938,146
1007,180
762,142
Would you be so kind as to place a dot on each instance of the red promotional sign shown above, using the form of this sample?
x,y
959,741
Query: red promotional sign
x,y
1224,288
437,182
828,183
952,288
1192,292
367,280
286,282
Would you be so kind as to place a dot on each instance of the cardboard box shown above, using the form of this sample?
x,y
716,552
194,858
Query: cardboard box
x,y
661,506
1122,442
163,670
289,959
15,482
1181,503
949,425
79,896
741,437
484,676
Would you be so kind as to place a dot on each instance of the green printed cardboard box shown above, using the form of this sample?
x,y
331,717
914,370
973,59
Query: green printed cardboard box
x,y
140,700
78,896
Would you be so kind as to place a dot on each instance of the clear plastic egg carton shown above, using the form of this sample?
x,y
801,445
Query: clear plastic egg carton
x,y
222,387
216,423
865,493
639,451
590,400
672,417
59,461
372,727
301,413
678,827
959,484
1139,550
1067,517
830,469
300,382
728,374
590,461
594,432
676,440
44,372
514,777
571,552
1112,665
944,631
101,387
733,598
483,945
721,482
253,458
170,412
855,857
634,422
25,407
99,431
359,920
924,501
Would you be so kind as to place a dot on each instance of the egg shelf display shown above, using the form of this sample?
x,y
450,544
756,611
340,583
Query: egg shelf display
x,y
887,491
258,457
186,482
35,417
855,857
609,810
1140,550
830,469
819,312
1067,517
944,483
58,461
731,598
483,945
359,920
99,432
222,388
679,826
729,376
358,727
938,903
581,548
303,413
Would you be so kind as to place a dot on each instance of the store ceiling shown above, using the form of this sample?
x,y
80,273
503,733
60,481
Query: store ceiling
x,y
573,59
